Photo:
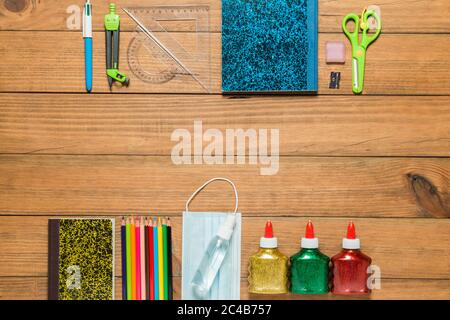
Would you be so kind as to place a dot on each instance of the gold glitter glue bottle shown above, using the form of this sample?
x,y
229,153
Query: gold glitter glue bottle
x,y
268,269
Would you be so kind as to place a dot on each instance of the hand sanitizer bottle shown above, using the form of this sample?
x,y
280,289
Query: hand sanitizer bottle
x,y
213,258
349,266
309,267
268,269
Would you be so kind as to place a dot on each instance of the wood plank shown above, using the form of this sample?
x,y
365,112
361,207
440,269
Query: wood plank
x,y
402,248
142,125
357,187
411,12
42,15
366,187
403,70
35,288
23,288
392,67
46,16
391,289
61,68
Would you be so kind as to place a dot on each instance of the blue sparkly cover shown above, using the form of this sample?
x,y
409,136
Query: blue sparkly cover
x,y
269,46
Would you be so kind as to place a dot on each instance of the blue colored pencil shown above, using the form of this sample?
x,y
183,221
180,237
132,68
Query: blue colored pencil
x,y
155,260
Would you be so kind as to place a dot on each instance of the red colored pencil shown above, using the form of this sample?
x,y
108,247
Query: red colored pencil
x,y
138,260
151,263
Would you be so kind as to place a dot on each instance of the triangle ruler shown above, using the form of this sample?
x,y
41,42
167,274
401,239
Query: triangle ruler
x,y
158,54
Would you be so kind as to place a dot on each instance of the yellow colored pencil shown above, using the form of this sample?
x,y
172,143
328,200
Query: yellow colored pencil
x,y
160,261
133,259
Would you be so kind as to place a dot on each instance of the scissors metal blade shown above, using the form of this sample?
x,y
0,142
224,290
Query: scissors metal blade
x,y
355,74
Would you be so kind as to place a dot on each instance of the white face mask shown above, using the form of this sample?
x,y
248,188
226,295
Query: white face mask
x,y
221,281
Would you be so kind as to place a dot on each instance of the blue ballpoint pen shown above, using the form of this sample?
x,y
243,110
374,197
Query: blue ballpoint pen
x,y
87,35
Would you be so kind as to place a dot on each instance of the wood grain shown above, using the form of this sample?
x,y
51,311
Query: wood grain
x,y
31,62
314,126
381,159
357,187
25,288
36,65
395,64
398,16
402,248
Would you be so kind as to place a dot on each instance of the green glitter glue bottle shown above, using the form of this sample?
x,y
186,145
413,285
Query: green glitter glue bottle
x,y
268,268
309,267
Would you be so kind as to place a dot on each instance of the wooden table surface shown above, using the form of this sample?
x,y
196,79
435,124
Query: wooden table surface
x,y
381,159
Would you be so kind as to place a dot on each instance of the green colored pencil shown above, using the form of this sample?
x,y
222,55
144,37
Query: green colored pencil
x,y
166,260
128,253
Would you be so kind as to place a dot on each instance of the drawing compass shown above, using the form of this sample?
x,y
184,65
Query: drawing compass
x,y
112,29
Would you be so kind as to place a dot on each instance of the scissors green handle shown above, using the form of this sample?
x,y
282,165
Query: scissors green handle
x,y
359,48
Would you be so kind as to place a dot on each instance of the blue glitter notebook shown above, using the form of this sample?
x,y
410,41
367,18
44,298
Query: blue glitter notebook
x,y
269,46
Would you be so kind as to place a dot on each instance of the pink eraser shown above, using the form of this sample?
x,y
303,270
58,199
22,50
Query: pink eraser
x,y
335,52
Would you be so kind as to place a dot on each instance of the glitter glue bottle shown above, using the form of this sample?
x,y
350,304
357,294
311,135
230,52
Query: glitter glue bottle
x,y
268,268
350,266
309,267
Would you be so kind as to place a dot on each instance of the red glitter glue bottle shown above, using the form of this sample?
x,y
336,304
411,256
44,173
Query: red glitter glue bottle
x,y
349,267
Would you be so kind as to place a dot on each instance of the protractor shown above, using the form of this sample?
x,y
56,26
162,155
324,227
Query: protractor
x,y
158,58
148,62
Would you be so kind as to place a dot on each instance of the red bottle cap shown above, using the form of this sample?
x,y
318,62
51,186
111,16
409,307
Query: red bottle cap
x,y
309,241
268,233
351,242
309,233
268,241
351,233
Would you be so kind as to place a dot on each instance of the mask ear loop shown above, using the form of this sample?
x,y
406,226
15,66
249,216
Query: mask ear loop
x,y
210,181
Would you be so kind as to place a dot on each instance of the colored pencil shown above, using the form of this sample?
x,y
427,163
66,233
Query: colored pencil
x,y
155,260
151,259
124,257
133,259
147,261
165,262
160,261
138,260
169,254
128,253
143,276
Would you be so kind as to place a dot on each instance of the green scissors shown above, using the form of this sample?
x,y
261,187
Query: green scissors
x,y
359,49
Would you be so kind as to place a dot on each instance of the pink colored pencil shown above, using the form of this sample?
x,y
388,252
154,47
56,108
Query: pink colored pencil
x,y
152,259
138,260
143,275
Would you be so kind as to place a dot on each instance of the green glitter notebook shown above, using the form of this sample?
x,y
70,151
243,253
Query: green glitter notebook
x,y
81,259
